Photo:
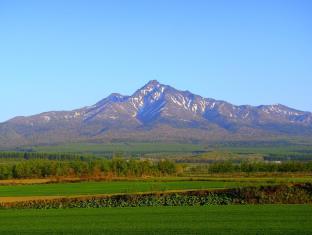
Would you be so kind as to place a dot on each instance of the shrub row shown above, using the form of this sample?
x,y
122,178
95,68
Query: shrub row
x,y
295,194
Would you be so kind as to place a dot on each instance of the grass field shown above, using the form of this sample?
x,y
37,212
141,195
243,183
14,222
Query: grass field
x,y
109,187
264,219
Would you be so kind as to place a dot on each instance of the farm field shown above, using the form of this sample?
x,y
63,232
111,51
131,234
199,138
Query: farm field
x,y
33,187
110,187
260,219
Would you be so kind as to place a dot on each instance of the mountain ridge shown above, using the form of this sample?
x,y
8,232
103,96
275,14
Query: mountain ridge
x,y
157,112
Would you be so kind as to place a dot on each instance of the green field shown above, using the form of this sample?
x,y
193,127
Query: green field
x,y
264,219
109,187
133,186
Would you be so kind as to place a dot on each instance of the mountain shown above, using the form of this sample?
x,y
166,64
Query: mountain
x,y
158,112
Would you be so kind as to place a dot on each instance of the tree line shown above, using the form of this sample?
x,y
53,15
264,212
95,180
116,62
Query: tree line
x,y
42,168
48,156
250,167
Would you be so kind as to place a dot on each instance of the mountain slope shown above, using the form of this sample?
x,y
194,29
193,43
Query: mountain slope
x,y
158,112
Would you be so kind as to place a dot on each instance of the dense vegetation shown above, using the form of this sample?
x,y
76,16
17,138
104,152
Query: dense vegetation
x,y
77,168
39,166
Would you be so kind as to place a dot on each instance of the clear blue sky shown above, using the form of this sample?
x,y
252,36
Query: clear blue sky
x,y
63,54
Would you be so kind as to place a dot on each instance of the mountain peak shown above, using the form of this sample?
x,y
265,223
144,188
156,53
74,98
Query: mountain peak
x,y
116,97
153,83
149,87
